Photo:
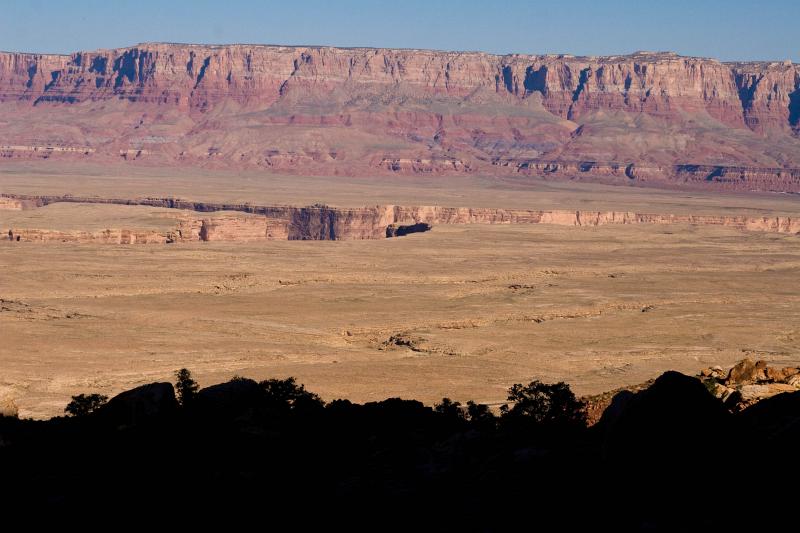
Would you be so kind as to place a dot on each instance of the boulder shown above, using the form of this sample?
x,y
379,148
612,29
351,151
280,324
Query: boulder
x,y
751,393
715,372
230,399
772,416
775,374
746,372
780,374
615,408
721,392
790,371
673,420
141,404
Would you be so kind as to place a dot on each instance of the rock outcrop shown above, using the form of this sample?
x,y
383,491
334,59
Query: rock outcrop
x,y
248,222
233,398
748,382
675,413
140,405
652,117
109,236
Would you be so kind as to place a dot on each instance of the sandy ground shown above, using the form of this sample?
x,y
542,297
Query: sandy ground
x,y
461,311
88,217
262,188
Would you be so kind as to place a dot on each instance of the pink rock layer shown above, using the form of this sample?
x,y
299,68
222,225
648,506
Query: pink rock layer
x,y
364,111
759,95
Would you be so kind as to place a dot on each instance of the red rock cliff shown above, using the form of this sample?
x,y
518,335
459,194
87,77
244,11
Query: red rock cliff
x,y
384,110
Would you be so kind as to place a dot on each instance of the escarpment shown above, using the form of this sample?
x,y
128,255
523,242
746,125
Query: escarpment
x,y
651,118
760,95
248,222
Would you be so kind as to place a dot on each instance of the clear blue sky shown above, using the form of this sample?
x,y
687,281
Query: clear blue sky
x,y
726,29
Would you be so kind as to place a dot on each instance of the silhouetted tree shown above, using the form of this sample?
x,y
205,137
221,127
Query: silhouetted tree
x,y
185,386
287,393
450,409
547,404
480,415
84,404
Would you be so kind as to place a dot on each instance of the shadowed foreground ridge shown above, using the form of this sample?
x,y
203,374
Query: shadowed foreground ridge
x,y
644,118
245,449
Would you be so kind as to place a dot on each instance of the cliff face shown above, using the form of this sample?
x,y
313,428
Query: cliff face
x,y
360,111
259,223
770,96
661,85
28,76
109,236
759,95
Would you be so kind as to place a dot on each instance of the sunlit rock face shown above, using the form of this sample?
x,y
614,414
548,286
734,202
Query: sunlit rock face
x,y
649,118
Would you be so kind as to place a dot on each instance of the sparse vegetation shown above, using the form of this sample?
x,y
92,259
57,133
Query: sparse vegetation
x,y
480,414
185,387
451,409
288,394
545,404
85,404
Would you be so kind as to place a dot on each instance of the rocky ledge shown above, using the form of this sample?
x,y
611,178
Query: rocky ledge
x,y
248,222
749,382
738,388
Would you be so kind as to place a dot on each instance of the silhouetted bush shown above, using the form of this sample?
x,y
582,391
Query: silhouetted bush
x,y
84,404
450,409
480,415
286,393
552,405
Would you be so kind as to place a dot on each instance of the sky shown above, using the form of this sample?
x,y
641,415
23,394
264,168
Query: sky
x,y
724,29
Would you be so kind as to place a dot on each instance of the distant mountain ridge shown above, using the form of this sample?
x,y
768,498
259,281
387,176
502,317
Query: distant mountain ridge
x,y
362,111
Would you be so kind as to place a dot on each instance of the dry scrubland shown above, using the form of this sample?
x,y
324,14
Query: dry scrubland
x,y
461,311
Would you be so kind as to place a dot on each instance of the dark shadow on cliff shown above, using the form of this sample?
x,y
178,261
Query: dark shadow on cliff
x,y
794,110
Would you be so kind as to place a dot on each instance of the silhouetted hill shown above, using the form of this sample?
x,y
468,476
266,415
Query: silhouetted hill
x,y
670,457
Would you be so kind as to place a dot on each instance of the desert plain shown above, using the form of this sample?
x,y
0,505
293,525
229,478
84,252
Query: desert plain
x,y
462,311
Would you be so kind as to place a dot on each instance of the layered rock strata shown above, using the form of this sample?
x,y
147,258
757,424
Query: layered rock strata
x,y
758,95
657,117
691,176
322,222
